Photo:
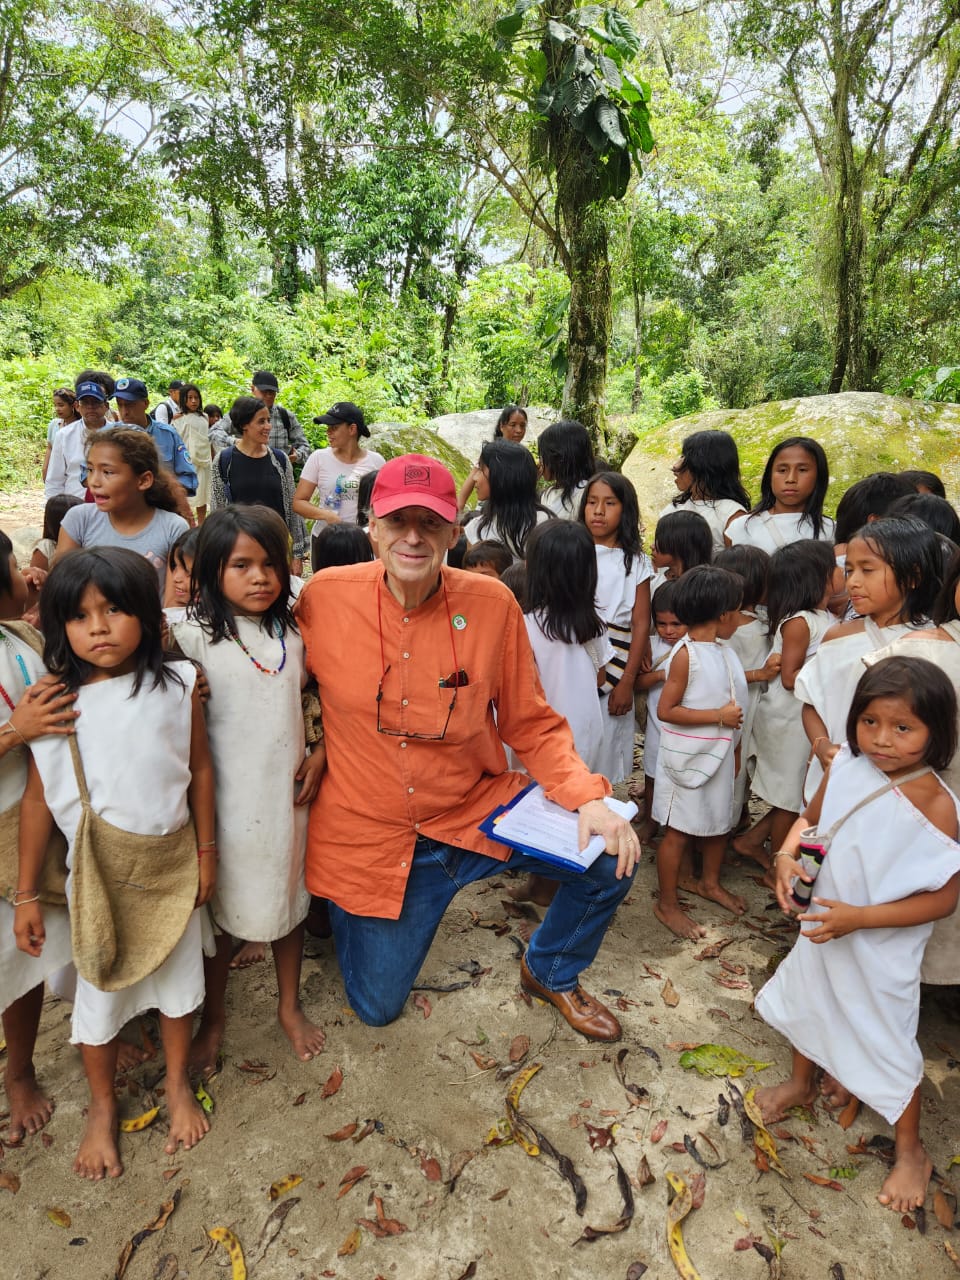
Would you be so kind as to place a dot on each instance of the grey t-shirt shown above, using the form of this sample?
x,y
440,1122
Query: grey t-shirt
x,y
90,527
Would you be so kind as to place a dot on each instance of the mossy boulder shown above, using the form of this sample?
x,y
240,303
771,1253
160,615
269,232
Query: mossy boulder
x,y
468,432
860,431
395,438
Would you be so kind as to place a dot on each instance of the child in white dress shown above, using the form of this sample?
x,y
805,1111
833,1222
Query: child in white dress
x,y
610,511
801,580
667,630
701,708
792,490
892,570
681,541
847,997
139,719
30,707
707,473
241,630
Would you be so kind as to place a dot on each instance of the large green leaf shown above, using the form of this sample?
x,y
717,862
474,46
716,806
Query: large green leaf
x,y
608,117
610,71
559,32
719,1060
621,34
509,26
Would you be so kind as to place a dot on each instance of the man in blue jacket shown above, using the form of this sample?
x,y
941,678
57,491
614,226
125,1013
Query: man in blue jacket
x,y
132,400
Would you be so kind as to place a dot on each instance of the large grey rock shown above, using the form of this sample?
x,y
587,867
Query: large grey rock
x,y
860,431
469,431
394,438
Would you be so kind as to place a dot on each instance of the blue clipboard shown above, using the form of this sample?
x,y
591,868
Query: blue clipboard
x,y
489,828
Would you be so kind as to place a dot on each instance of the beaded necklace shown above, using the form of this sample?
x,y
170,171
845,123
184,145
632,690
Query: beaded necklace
x,y
20,663
267,671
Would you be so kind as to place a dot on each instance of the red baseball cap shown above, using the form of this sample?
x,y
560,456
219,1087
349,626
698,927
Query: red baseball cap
x,y
413,480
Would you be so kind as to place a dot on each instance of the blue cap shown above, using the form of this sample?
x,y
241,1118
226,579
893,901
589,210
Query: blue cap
x,y
92,389
130,389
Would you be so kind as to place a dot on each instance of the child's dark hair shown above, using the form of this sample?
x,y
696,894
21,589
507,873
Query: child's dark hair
x,y
184,393
912,550
54,511
129,582
210,409
813,511
629,532
341,543
364,491
945,605
704,593
926,689
515,579
218,537
488,552
753,565
561,583
506,413
513,503
920,480
185,545
686,536
800,576
871,496
935,512
105,380
713,461
6,551
663,599
567,455
457,552
137,450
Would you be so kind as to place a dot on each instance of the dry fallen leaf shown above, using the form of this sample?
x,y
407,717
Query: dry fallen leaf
x,y
351,1178
59,1217
341,1135
333,1083
659,1129
817,1181
519,1048
941,1207
644,1172
423,1004
668,994
9,1182
283,1185
171,1173
430,1168
300,1099
498,1195
351,1244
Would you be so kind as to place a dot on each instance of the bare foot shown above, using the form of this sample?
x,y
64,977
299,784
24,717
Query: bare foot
x,y
906,1184
188,1124
30,1108
99,1156
129,1056
678,922
540,890
307,1038
646,831
250,953
776,1100
717,893
833,1092
748,848
205,1050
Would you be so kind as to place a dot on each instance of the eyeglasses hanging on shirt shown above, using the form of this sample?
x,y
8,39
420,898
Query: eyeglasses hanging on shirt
x,y
455,681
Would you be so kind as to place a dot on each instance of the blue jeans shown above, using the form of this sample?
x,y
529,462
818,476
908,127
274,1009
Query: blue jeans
x,y
380,959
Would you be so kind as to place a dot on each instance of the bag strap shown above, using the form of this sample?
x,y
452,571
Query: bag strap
x,y
774,530
875,795
726,663
28,634
78,771
877,638
952,629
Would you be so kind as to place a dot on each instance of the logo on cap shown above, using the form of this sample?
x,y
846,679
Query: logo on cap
x,y
416,475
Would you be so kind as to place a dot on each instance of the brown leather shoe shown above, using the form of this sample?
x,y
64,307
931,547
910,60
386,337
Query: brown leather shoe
x,y
586,1015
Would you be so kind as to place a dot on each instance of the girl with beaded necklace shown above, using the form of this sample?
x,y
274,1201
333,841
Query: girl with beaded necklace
x,y
239,626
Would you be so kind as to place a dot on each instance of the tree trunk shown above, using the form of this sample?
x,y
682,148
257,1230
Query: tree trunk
x,y
590,313
217,243
639,306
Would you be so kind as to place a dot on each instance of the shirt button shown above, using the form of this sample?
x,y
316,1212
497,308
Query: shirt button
x,y
406,619
403,865
409,791
406,655
403,746
406,702
416,826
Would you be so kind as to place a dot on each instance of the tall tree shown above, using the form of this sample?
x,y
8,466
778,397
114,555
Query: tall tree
x,y
876,84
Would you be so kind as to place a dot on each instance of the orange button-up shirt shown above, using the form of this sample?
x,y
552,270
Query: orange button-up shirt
x,y
380,791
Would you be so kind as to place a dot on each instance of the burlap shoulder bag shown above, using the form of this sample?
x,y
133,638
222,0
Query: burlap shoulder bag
x,y
51,883
131,895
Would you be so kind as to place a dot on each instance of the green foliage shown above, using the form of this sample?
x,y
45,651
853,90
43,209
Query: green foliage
x,y
934,383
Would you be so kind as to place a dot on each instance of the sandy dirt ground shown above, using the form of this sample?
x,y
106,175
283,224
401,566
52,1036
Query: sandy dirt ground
x,y
428,1089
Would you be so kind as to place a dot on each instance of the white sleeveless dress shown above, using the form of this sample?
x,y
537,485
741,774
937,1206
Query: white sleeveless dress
x,y
255,725
770,532
20,973
751,644
780,743
616,593
941,960
851,1005
659,653
828,682
715,513
136,758
706,810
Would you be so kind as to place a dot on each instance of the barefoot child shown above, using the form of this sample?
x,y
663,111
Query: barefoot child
x,y
667,630
241,630
28,710
848,995
139,718
701,710
610,510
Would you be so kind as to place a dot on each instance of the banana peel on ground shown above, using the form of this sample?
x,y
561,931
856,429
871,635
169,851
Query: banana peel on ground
x,y
677,1210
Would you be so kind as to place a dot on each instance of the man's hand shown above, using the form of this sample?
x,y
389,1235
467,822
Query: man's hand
x,y
621,841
